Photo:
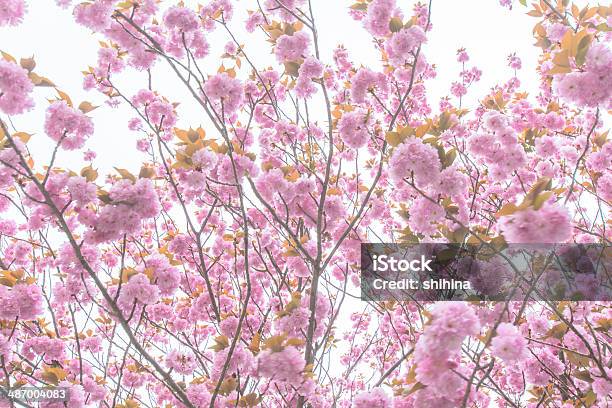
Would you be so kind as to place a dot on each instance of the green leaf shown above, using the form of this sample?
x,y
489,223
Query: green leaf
x,y
590,398
581,50
557,331
359,6
416,387
395,24
126,174
583,375
221,342
291,68
449,158
89,173
539,201
394,138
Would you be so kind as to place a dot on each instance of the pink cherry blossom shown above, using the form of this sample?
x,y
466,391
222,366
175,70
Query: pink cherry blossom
x,y
292,47
23,301
95,15
11,12
284,366
378,16
353,128
183,363
413,158
15,89
403,43
181,18
376,397
67,126
551,223
225,91
509,344
366,80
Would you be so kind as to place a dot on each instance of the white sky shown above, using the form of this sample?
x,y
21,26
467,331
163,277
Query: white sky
x,y
63,49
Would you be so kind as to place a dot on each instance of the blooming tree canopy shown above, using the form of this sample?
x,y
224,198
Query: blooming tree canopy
x,y
224,273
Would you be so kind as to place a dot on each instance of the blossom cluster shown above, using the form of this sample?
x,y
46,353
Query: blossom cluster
x,y
67,125
451,324
130,204
15,88
590,87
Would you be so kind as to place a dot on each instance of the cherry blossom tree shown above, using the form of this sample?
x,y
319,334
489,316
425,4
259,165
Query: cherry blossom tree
x,y
225,272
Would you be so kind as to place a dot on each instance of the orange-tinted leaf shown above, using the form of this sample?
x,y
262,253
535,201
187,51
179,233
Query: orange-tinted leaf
x,y
28,64
65,97
86,107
